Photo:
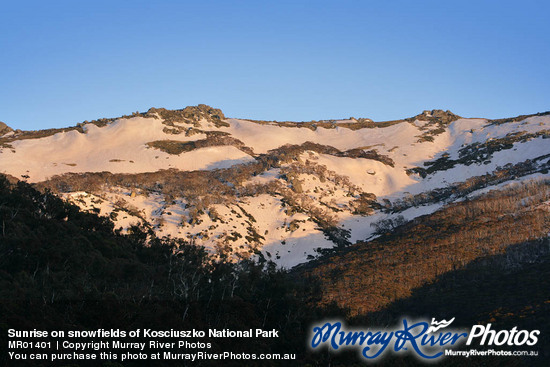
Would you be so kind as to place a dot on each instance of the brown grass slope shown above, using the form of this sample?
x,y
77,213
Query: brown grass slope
x,y
507,290
367,277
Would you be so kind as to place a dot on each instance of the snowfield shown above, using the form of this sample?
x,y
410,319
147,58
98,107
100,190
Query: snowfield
x,y
319,192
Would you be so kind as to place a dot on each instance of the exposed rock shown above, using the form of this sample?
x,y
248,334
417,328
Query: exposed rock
x,y
190,115
444,117
4,129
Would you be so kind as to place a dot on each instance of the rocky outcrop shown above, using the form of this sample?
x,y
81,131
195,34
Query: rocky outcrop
x,y
437,116
4,129
190,114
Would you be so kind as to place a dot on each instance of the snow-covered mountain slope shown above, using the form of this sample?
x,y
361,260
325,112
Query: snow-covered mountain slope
x,y
282,188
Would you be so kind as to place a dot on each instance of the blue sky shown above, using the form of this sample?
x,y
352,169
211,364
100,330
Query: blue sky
x,y
63,62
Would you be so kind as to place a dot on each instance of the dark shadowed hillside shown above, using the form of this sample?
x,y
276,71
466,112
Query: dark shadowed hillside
x,y
63,269
366,277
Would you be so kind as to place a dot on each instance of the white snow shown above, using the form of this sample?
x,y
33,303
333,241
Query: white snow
x,y
120,147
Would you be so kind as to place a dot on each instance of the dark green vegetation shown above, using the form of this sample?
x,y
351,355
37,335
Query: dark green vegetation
x,y
64,269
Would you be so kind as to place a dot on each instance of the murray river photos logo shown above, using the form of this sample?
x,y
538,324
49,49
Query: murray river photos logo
x,y
428,341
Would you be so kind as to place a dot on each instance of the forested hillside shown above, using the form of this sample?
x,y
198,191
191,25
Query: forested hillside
x,y
61,268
